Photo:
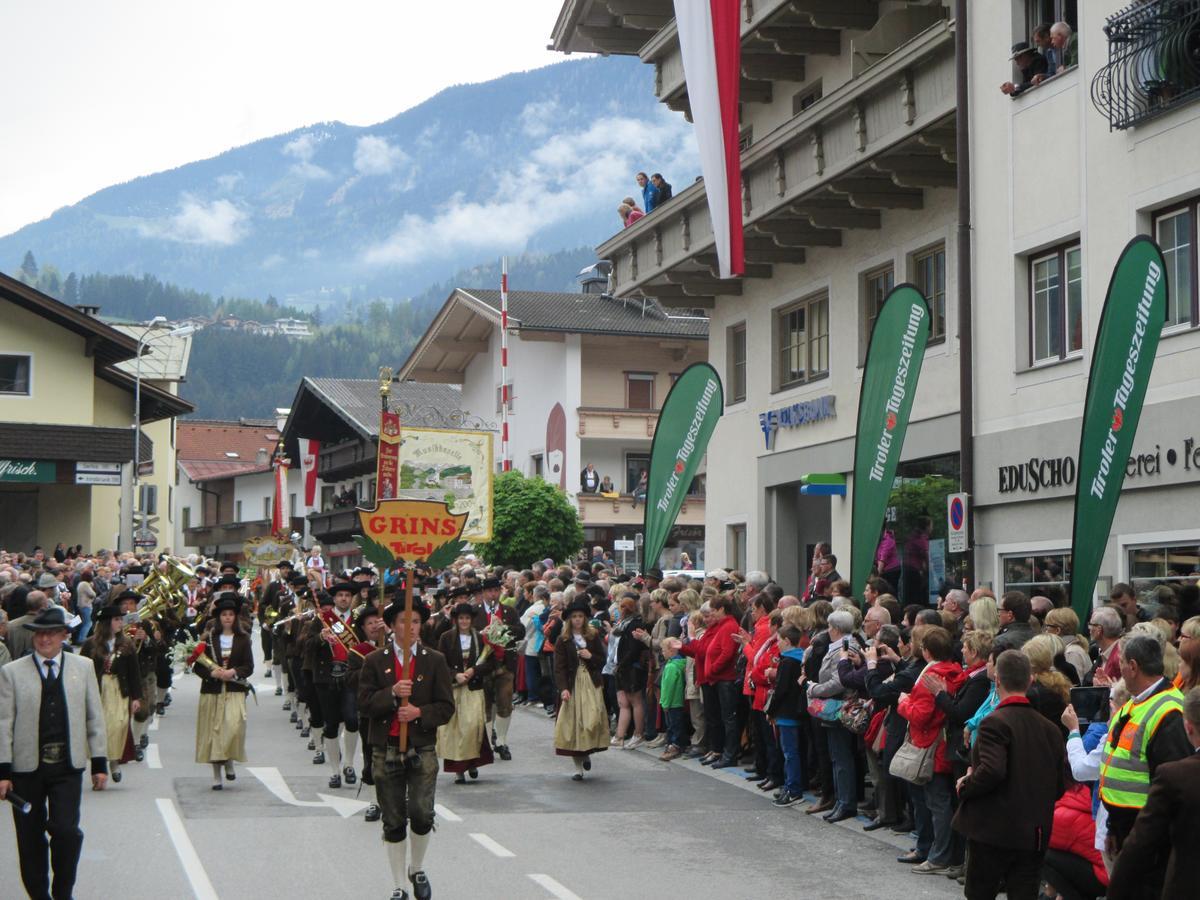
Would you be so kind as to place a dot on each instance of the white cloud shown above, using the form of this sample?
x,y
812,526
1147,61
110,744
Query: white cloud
x,y
573,172
375,156
538,117
226,183
302,149
217,222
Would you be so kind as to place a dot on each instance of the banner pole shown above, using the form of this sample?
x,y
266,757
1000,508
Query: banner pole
x,y
505,461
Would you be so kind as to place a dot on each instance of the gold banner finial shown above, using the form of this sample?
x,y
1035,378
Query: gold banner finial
x,y
385,381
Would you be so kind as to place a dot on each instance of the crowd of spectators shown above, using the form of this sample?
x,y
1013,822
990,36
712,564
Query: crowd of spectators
x,y
1051,50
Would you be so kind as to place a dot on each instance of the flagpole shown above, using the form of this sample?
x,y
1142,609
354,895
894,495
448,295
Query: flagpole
x,y
505,462
385,390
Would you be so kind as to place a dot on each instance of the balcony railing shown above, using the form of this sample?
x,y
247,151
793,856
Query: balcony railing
x,y
334,526
1153,61
233,532
596,510
630,424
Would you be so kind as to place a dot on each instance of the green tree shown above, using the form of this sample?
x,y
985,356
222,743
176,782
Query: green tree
x,y
29,268
71,289
531,520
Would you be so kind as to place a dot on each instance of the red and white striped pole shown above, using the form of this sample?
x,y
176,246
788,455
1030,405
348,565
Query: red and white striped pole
x,y
505,462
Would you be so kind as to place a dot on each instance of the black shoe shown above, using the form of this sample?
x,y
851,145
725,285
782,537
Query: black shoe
x,y
752,770
335,781
230,775
724,763
167,700
319,759
904,826
840,815
294,717
460,778
474,773
550,711
287,704
312,743
267,674
875,825
912,858
578,776
821,806
420,884
305,732
494,741
161,709
218,787
373,813
300,726
399,894
144,742
770,785
139,755
505,753
709,758
116,777
587,764
348,774
279,690
786,799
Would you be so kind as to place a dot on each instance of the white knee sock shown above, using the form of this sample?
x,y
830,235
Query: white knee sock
x,y
216,767
502,729
396,857
420,843
138,729
229,767
351,747
578,764
333,754
277,672
320,742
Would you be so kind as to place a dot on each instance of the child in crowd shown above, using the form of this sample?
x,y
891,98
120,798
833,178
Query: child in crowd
x,y
784,708
671,697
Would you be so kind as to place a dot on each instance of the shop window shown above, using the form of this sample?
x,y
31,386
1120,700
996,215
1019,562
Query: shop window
x,y
1056,305
1037,574
635,465
929,274
803,340
736,376
1172,564
14,374
876,285
912,549
1175,231
639,390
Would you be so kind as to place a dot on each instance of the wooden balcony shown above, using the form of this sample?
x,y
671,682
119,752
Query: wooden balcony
x,y
875,143
234,532
334,526
597,511
625,424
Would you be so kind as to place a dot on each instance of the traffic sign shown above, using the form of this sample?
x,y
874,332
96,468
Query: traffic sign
x,y
622,544
956,523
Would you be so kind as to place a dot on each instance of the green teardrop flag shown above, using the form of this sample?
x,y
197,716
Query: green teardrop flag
x,y
685,424
889,383
1131,322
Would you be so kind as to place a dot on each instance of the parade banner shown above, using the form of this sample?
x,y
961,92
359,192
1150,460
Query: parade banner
x,y
309,450
266,552
387,469
280,520
1131,322
450,466
685,424
410,530
889,384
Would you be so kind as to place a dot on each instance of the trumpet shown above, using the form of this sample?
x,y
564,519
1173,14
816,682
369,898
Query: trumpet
x,y
342,632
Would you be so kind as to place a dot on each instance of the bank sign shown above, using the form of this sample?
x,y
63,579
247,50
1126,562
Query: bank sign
x,y
806,412
29,471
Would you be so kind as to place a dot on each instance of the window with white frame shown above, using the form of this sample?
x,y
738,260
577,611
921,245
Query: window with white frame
x,y
639,390
802,338
929,275
1056,304
1034,573
736,376
1163,564
14,373
1175,231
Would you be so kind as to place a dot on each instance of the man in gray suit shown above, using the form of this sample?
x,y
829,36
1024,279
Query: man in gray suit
x,y
20,639
51,728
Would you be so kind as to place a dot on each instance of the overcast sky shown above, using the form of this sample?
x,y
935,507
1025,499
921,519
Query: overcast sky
x,y
98,93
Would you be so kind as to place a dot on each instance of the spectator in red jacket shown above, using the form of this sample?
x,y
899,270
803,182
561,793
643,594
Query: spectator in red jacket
x,y
1073,866
718,650
939,850
760,651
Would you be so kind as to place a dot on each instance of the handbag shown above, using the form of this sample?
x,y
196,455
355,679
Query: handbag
x,y
912,763
856,713
825,709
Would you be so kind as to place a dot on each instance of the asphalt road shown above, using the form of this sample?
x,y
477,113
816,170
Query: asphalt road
x,y
635,828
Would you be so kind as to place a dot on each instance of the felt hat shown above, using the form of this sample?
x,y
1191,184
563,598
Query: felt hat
x,y
578,605
463,609
228,600
107,612
50,618
394,609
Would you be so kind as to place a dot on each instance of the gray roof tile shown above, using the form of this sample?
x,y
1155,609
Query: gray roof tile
x,y
357,400
580,313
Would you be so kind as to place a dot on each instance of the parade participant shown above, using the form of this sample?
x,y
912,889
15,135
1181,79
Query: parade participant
x,y
311,718
339,711
406,779
221,716
147,643
371,630
116,664
270,601
582,725
284,647
498,687
51,725
462,742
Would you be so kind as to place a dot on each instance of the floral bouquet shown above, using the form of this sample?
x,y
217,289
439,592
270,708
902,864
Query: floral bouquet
x,y
192,653
496,638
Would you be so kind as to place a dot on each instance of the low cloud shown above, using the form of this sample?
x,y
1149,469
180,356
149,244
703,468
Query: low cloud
x,y
538,117
302,149
218,222
375,156
573,173
226,183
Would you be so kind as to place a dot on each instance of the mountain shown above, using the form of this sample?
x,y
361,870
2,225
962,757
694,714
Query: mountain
x,y
532,162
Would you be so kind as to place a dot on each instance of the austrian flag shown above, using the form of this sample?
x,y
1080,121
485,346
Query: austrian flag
x,y
710,42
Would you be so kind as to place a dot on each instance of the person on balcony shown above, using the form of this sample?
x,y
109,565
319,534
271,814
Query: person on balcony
x,y
664,188
650,195
639,490
1031,63
589,479
629,214
607,488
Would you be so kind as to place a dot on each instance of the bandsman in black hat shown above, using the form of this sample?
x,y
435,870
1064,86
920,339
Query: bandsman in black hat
x,y
406,777
498,688
268,613
149,644
224,667
462,742
326,637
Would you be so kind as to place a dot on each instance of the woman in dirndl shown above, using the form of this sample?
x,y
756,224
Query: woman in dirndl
x,y
462,742
221,718
582,725
120,677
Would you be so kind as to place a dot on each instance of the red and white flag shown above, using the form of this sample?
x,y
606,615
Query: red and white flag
x,y
309,448
279,511
710,42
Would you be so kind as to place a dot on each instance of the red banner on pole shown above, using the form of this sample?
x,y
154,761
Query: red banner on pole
x,y
387,470
309,448
279,511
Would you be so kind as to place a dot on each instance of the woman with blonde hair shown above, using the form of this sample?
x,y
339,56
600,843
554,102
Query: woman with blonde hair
x,y
1051,689
983,615
1064,624
689,600
1163,636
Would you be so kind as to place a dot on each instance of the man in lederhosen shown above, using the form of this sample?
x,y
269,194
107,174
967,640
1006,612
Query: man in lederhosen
x,y
270,600
498,688
339,710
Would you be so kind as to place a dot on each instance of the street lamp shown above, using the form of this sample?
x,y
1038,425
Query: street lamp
x,y
143,342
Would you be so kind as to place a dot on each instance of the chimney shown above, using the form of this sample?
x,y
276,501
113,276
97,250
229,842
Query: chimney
x,y
88,310
263,456
594,279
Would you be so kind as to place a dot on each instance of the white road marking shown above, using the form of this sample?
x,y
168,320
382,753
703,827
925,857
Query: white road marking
x,y
192,867
153,760
274,782
488,844
446,814
554,887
